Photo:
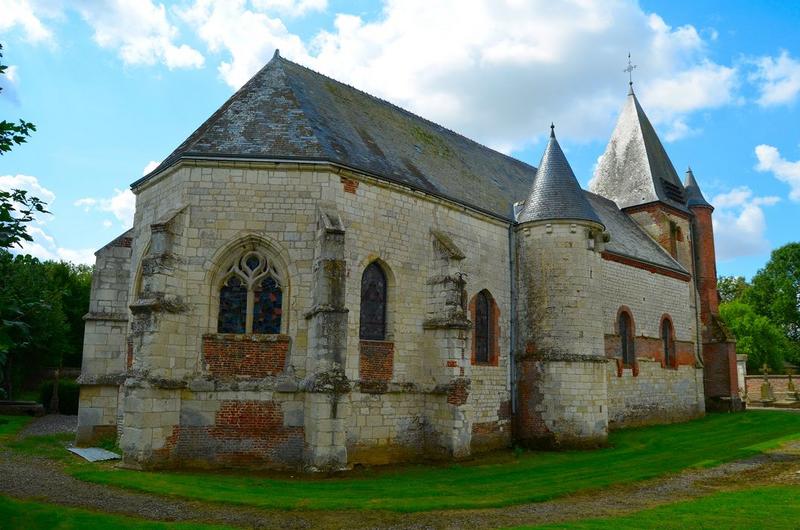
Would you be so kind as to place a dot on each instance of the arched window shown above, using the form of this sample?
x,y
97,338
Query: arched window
x,y
668,343
251,298
483,327
626,338
372,319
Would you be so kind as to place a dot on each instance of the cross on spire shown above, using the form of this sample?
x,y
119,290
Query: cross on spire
x,y
631,67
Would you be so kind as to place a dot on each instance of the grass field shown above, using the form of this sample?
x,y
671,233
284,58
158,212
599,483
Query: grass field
x,y
766,507
40,516
11,425
504,479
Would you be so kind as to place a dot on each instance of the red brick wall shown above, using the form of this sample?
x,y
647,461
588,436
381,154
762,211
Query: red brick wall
x,y
651,348
244,433
528,422
375,360
779,383
706,269
719,373
231,355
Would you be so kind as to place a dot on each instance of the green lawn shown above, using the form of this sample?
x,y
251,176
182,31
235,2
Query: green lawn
x,y
636,454
766,507
39,516
11,425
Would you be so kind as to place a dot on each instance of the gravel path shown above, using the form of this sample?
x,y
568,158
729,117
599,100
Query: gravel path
x,y
50,424
24,477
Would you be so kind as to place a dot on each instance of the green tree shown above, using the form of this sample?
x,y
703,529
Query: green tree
x,y
731,288
775,291
756,335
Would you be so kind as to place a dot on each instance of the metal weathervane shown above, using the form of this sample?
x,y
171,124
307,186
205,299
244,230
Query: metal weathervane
x,y
630,69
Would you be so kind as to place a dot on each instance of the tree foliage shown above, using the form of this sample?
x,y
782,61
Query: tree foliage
x,y
41,315
776,290
756,336
731,288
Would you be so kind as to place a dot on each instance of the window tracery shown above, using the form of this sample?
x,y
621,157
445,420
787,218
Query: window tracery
x,y
251,297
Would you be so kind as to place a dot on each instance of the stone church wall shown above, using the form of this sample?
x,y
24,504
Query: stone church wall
x,y
228,399
650,392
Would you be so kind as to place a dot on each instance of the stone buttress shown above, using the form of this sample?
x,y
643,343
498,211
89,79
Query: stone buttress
x,y
327,405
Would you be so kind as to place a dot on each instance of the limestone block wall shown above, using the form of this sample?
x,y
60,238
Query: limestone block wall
x,y
654,395
651,392
104,345
206,208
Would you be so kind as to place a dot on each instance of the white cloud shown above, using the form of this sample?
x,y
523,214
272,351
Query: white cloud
x,y
121,205
26,15
250,37
705,86
150,167
139,31
291,8
30,184
44,246
770,159
777,79
739,223
107,223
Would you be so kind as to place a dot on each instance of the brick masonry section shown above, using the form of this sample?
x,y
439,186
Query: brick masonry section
x,y
652,349
232,355
244,433
375,360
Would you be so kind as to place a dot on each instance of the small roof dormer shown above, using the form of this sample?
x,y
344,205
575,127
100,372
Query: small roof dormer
x,y
635,169
694,197
556,193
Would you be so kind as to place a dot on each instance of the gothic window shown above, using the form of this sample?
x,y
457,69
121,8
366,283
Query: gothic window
x,y
483,327
668,343
251,298
626,338
372,320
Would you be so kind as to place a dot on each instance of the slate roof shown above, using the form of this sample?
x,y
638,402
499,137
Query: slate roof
x,y
556,193
628,238
694,197
635,168
287,111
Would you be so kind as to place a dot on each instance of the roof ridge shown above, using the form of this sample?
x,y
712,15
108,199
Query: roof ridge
x,y
406,111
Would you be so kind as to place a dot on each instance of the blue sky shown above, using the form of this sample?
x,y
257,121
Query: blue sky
x,y
114,85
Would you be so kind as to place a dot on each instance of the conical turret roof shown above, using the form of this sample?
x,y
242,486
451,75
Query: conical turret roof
x,y
635,168
694,197
556,193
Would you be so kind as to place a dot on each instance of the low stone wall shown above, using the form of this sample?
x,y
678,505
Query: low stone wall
x,y
779,384
653,394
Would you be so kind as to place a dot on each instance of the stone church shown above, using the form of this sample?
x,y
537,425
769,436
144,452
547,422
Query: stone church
x,y
317,278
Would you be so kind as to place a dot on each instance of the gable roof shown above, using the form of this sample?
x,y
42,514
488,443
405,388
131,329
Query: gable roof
x,y
288,112
556,193
628,238
635,168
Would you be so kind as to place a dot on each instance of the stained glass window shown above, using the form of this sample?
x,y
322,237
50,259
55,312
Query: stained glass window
x,y
669,346
483,323
626,338
372,320
251,298
232,306
267,307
